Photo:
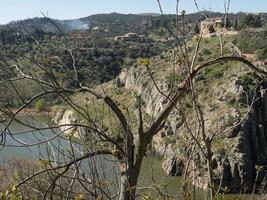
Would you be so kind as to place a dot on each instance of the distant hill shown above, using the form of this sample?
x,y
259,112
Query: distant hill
x,y
115,22
150,14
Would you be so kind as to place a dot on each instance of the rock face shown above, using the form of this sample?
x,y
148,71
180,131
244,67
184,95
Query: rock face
x,y
66,119
244,148
249,147
139,81
173,166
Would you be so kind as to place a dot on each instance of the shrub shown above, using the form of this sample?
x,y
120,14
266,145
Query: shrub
x,y
39,105
250,21
261,54
251,42
249,82
206,52
214,72
196,29
200,59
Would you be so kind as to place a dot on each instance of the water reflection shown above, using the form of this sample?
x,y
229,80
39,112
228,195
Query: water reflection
x,y
152,175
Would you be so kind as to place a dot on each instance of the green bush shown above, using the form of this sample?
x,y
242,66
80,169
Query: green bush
x,y
251,42
261,54
214,72
39,105
250,21
200,59
248,82
206,52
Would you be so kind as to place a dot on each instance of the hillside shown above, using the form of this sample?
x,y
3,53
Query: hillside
x,y
127,22
105,93
224,91
99,58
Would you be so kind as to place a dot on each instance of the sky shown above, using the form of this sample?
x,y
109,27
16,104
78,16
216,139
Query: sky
x,y
11,10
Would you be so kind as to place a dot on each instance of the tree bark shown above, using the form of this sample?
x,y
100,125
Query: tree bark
x,y
210,176
129,180
124,188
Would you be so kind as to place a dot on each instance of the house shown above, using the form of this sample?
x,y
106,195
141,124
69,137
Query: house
x,y
96,28
121,38
127,37
216,23
132,36
212,26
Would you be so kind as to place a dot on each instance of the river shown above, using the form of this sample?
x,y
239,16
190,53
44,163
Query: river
x,y
151,168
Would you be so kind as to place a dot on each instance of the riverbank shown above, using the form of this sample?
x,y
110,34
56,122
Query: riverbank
x,y
25,112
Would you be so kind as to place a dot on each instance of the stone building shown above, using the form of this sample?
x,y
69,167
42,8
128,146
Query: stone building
x,y
212,26
216,23
127,37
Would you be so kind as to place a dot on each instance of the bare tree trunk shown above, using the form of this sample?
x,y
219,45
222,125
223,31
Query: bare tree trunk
x,y
210,175
124,188
221,44
129,182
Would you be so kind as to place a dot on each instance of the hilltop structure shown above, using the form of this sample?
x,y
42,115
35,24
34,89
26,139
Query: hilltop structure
x,y
211,23
212,26
128,37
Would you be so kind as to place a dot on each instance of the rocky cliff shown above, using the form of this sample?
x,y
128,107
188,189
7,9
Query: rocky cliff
x,y
236,109
248,154
65,119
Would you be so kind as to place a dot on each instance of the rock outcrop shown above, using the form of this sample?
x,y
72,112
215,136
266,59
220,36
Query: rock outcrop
x,y
249,147
66,119
244,148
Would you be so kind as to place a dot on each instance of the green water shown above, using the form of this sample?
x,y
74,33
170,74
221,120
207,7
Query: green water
x,y
151,173
152,165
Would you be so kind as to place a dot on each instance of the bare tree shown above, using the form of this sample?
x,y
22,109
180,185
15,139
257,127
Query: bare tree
x,y
104,137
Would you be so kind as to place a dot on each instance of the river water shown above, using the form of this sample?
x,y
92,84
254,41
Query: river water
x,y
151,171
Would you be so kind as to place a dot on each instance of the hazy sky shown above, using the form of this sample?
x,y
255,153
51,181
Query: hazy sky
x,y
69,9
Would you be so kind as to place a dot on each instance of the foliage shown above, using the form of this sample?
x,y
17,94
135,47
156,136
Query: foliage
x,y
145,62
248,82
206,52
173,80
147,196
261,53
200,59
196,29
39,105
98,59
169,140
227,23
139,102
250,42
250,21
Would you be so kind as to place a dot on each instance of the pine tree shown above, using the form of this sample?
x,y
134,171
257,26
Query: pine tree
x,y
196,29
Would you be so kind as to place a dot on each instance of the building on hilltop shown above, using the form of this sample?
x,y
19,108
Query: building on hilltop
x,y
127,37
96,28
212,26
118,37
207,24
